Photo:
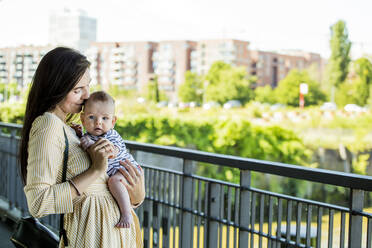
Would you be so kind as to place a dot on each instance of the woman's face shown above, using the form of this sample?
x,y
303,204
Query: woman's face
x,y
73,102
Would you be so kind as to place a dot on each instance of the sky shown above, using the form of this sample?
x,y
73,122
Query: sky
x,y
270,25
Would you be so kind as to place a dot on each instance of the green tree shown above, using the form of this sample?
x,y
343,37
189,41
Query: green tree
x,y
118,91
225,82
152,90
357,89
363,68
192,89
288,90
153,93
8,90
340,49
265,94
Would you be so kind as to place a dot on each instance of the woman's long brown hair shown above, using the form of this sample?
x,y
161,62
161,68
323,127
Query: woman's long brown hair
x,y
56,75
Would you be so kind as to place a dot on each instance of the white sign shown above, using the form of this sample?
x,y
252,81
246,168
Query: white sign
x,y
304,88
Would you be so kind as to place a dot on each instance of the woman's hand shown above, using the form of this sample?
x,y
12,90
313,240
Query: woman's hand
x,y
99,153
115,150
135,182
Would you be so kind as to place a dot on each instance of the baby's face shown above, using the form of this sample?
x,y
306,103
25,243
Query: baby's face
x,y
98,117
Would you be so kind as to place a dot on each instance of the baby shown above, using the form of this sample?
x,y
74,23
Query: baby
x,y
98,119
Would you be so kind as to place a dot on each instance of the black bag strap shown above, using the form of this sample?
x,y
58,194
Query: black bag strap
x,y
62,231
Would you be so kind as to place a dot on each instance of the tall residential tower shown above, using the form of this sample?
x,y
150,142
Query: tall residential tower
x,y
72,28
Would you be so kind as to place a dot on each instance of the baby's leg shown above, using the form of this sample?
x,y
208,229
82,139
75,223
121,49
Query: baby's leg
x,y
121,195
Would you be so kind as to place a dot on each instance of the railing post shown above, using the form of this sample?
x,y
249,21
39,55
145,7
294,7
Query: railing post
x,y
355,227
186,228
12,172
244,208
214,213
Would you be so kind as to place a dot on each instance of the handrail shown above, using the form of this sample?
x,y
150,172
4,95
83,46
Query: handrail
x,y
348,180
336,178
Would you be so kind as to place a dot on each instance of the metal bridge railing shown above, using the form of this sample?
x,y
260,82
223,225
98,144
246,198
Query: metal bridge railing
x,y
183,209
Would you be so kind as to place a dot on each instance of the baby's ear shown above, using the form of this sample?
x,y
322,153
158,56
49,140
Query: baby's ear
x,y
114,119
82,117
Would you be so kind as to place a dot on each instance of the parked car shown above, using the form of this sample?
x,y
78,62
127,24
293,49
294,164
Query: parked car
x,y
184,105
141,100
162,104
277,106
330,106
194,104
211,104
354,108
172,105
232,104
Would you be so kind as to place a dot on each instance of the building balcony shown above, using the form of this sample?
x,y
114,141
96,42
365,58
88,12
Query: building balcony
x,y
188,209
166,65
166,87
118,51
18,74
130,72
194,54
130,64
117,66
130,80
164,72
166,80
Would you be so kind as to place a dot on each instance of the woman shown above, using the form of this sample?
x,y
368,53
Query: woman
x,y
59,88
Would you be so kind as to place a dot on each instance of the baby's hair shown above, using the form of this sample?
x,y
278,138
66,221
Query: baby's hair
x,y
101,96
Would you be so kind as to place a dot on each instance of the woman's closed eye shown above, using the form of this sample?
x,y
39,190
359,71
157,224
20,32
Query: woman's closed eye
x,y
77,91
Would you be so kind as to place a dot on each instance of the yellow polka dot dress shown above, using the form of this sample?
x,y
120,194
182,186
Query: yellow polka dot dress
x,y
90,218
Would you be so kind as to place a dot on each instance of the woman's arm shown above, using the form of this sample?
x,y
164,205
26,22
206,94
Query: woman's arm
x,y
135,182
45,162
44,168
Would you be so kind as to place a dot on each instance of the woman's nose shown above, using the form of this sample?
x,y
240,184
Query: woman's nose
x,y
85,94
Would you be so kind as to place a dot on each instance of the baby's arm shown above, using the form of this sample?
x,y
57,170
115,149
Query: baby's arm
x,y
86,142
78,129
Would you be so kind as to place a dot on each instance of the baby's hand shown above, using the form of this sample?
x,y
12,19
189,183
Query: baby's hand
x,y
86,142
78,129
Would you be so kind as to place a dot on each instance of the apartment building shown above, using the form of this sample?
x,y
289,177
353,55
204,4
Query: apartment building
x,y
271,67
18,64
121,63
133,64
170,61
234,52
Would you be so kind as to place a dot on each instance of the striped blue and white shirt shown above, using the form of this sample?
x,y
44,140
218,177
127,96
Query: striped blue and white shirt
x,y
115,138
